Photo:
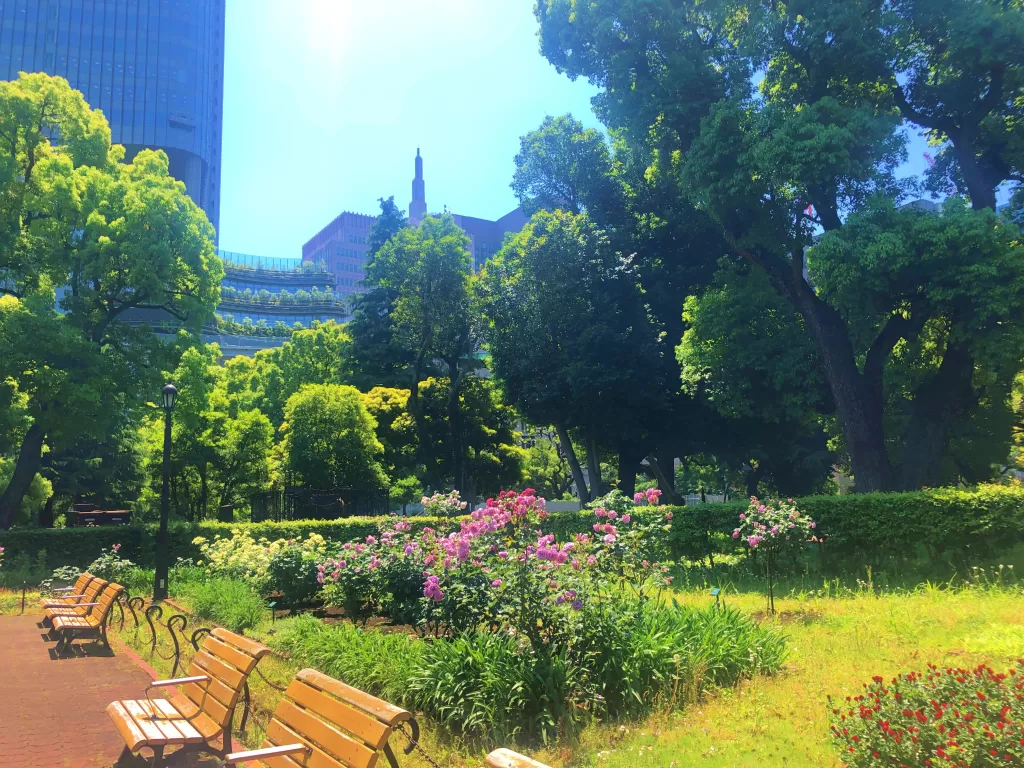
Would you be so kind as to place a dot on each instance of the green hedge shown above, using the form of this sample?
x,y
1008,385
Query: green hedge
x,y
80,546
945,524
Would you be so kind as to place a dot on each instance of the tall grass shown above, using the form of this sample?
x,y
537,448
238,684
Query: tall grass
x,y
377,662
618,664
231,603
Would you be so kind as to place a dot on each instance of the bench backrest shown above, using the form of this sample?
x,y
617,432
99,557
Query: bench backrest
x,y
227,659
82,583
91,592
106,598
342,725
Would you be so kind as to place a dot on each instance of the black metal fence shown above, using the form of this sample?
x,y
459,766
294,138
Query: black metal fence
x,y
294,503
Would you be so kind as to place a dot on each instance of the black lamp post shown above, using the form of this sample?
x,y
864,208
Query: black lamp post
x,y
170,394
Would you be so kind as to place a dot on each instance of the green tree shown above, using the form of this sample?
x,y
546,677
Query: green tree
x,y
571,340
491,460
561,165
378,356
113,236
429,269
823,128
317,355
545,468
672,249
329,439
395,430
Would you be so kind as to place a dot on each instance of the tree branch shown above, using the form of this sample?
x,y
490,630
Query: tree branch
x,y
898,327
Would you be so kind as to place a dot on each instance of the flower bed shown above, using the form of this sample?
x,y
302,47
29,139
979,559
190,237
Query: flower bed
x,y
521,636
957,717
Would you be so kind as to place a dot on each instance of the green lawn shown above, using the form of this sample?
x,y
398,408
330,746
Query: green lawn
x,y
837,644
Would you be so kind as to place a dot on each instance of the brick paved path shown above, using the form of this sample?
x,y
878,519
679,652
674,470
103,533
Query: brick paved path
x,y
53,711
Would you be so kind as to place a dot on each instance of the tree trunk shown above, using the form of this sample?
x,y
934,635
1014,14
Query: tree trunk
x,y
204,492
46,513
938,403
627,471
666,484
455,431
574,463
752,477
423,451
594,467
980,189
30,458
859,408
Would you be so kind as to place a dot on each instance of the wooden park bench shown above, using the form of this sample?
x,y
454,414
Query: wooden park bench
x,y
325,723
198,719
68,624
68,595
77,604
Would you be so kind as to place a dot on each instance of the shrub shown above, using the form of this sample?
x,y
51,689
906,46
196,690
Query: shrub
x,y
240,556
943,525
946,716
292,571
110,566
229,602
22,569
444,505
774,530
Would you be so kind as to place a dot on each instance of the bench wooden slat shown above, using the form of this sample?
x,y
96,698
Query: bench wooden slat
x,y
224,652
369,729
506,758
153,734
126,726
209,704
200,720
279,733
251,647
343,747
227,674
168,727
379,708
167,709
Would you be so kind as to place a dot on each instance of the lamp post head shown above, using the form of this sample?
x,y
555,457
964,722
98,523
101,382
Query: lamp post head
x,y
170,393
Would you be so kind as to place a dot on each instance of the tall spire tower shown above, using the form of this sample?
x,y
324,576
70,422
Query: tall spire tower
x,y
418,206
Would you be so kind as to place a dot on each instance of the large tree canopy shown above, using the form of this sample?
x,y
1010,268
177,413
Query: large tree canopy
x,y
822,128
108,237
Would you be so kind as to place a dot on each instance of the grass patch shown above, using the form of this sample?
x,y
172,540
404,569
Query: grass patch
x,y
232,604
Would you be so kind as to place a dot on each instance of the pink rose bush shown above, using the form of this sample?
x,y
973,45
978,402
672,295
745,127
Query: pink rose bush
x,y
498,568
771,529
444,505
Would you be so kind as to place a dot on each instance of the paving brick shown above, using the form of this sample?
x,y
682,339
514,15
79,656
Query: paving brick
x,y
53,711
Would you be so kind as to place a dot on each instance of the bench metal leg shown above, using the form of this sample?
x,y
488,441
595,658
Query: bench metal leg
x,y
158,757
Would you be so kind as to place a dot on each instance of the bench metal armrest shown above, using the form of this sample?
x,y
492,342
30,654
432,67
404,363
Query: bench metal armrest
x,y
175,681
179,681
62,589
76,605
65,597
263,754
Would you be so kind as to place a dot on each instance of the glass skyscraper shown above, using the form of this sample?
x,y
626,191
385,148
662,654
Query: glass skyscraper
x,y
154,67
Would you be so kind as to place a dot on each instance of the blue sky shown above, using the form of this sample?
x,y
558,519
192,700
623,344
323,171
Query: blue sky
x,y
325,102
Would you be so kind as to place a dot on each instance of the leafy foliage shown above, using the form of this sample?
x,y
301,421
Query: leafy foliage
x,y
329,439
